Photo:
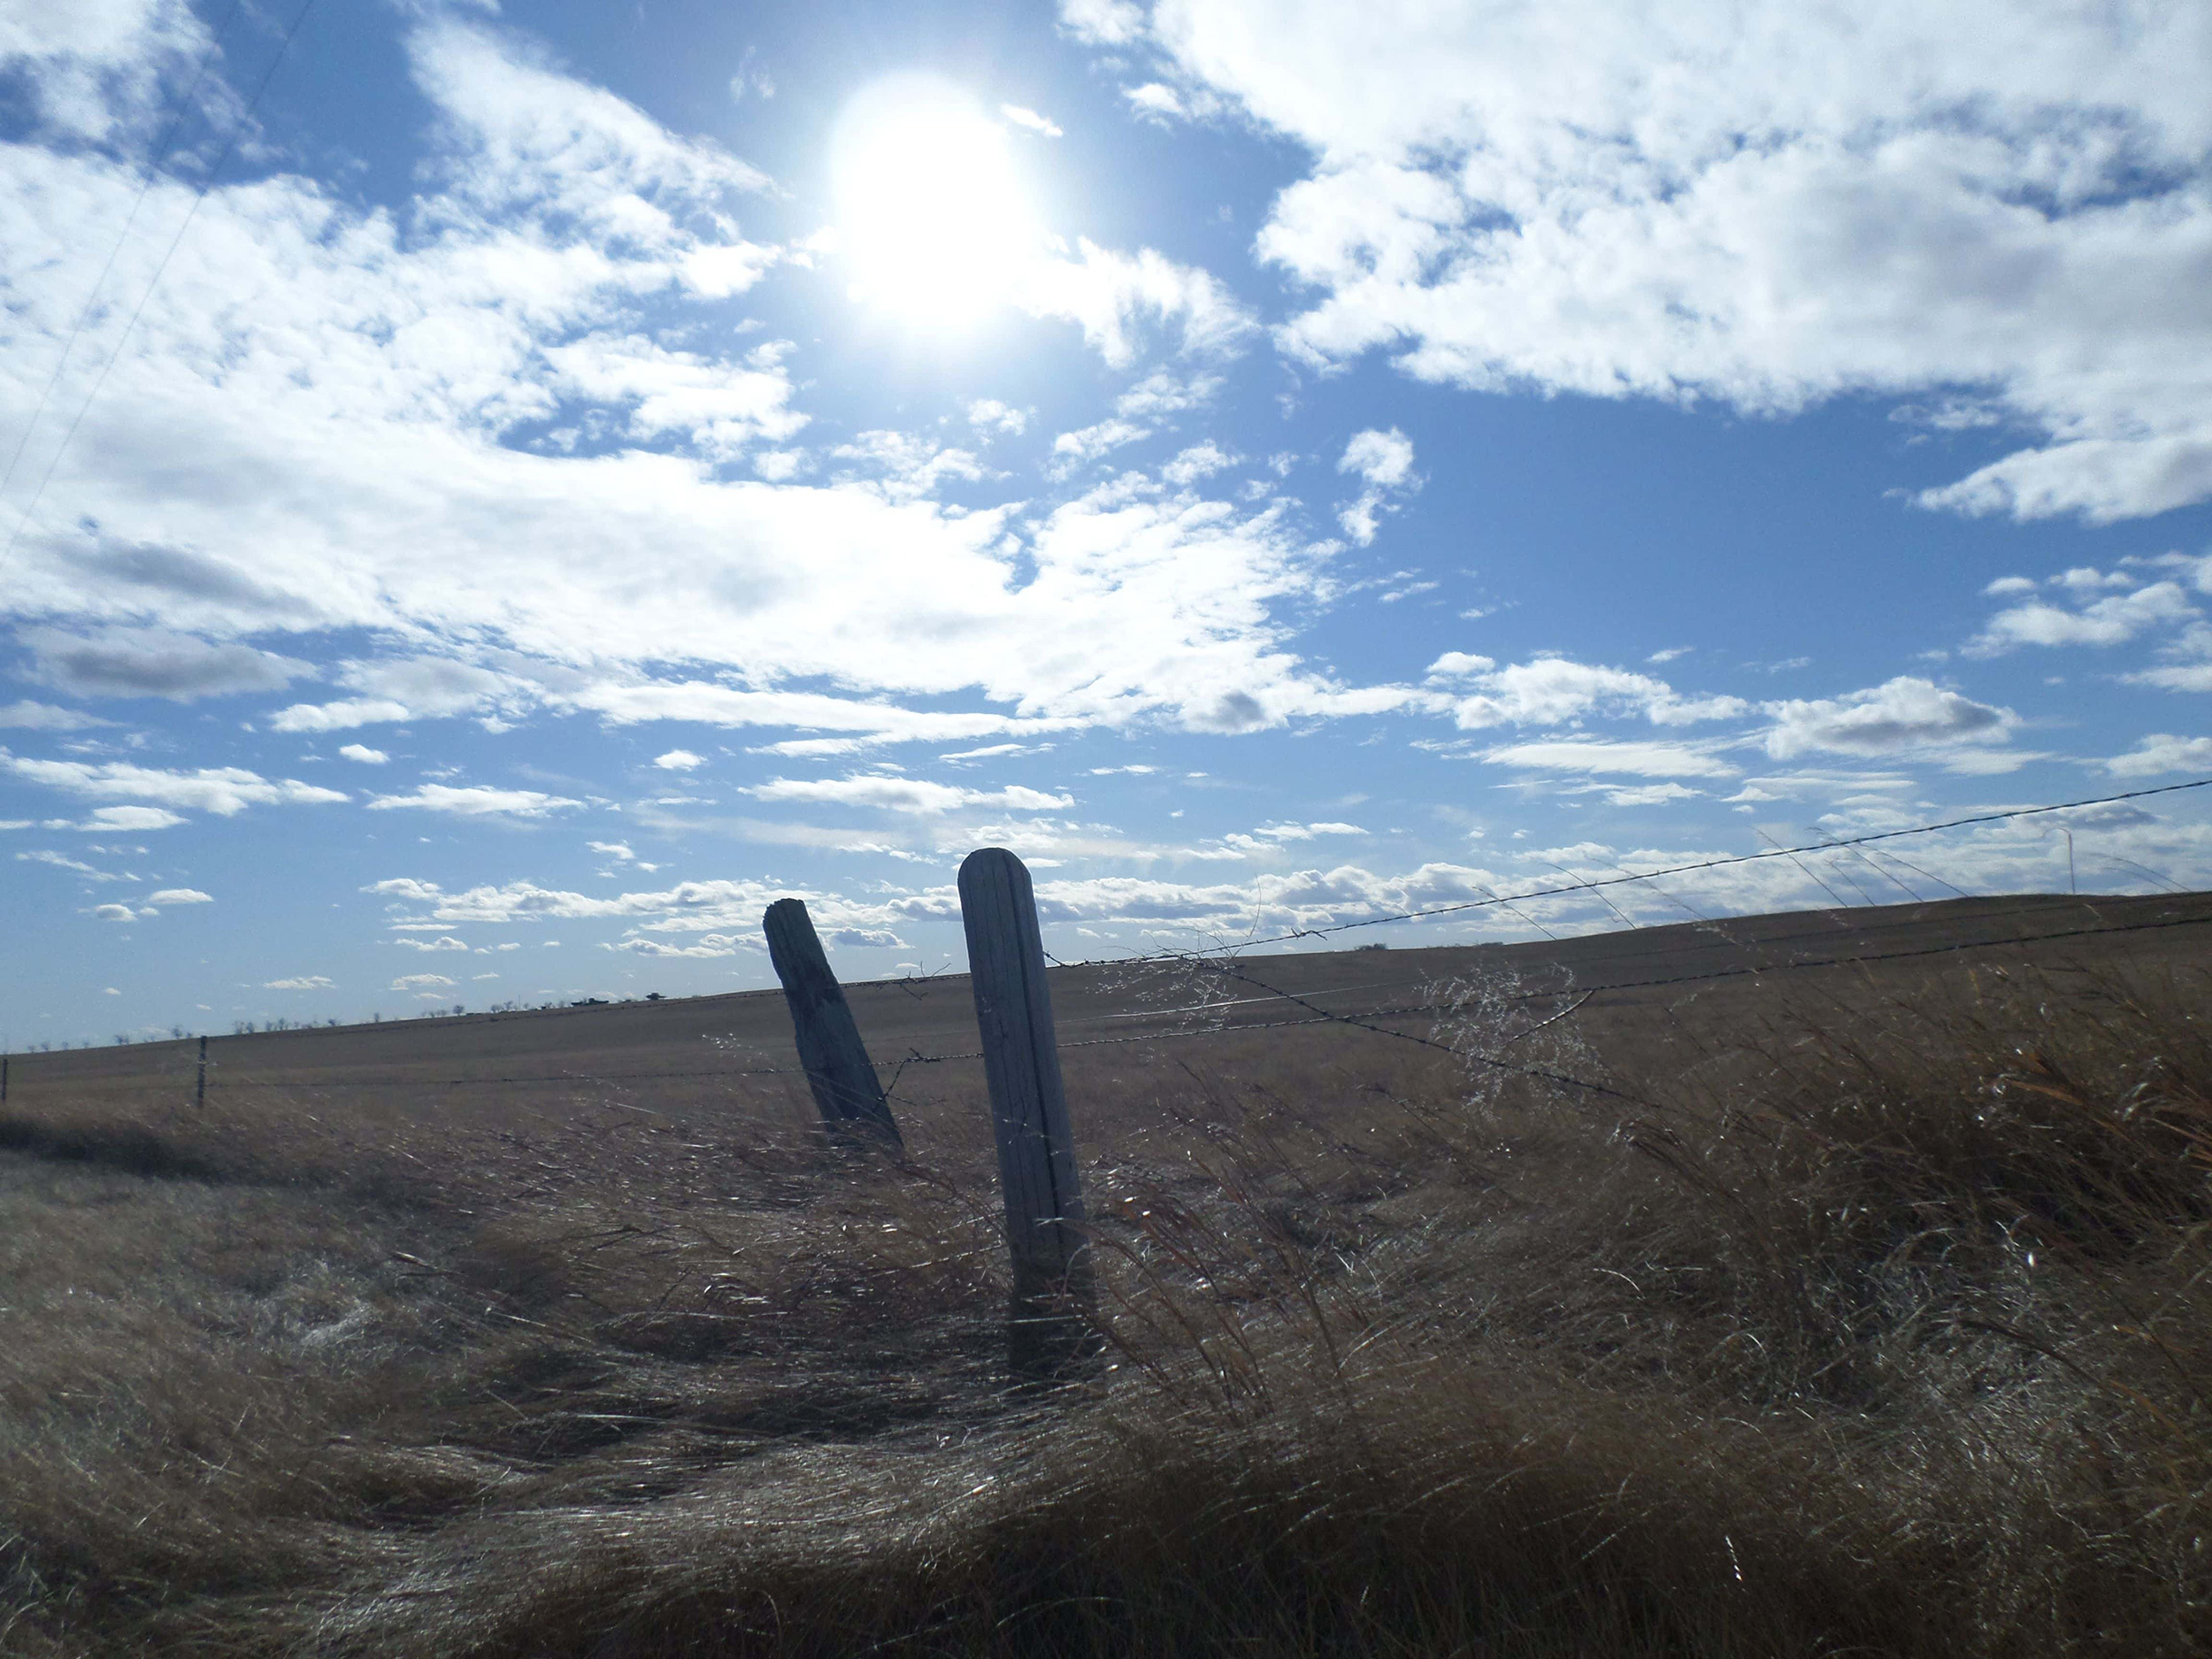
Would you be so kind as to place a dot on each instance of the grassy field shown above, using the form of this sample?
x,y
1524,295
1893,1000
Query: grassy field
x,y
1866,1313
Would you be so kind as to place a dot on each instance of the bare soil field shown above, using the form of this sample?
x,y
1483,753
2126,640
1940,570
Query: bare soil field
x,y
1819,1284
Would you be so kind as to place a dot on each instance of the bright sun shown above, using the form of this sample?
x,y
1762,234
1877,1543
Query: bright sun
x,y
933,222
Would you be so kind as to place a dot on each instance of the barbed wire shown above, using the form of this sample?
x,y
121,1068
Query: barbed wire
x,y
1494,901
1360,1019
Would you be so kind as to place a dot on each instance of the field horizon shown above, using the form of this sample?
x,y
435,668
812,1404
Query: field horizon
x,y
1857,1307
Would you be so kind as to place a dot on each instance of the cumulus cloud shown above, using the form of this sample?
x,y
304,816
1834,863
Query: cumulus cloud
x,y
445,942
2113,620
679,760
1904,713
364,753
1385,460
475,801
114,913
993,418
181,896
1554,690
2163,752
303,982
420,981
1764,206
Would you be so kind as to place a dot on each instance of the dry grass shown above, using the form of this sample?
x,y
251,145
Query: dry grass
x,y
1876,1325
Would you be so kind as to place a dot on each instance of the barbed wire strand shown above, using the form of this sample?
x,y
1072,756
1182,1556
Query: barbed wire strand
x,y
1316,1015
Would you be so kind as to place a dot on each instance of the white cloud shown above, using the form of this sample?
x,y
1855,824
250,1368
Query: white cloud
x,y
467,401
1384,460
222,790
1114,297
2111,620
1021,116
1597,756
1200,460
131,818
906,794
444,942
2163,752
1553,690
902,466
475,801
679,760
114,913
304,982
1102,22
75,865
404,888
44,716
362,753
420,982
1650,794
1087,443
1906,712
341,716
182,895
994,419
1763,205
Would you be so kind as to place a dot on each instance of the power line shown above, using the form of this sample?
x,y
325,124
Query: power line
x,y
154,283
153,172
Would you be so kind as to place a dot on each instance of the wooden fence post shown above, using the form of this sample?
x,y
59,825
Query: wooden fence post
x,y
1050,1330
836,1062
199,1086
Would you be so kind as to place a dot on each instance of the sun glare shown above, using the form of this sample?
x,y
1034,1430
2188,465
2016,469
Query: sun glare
x,y
934,222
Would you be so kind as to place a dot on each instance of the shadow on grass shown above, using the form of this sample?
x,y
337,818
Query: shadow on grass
x,y
125,1149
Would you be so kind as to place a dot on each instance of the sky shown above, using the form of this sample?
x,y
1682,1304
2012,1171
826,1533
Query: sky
x,y
496,496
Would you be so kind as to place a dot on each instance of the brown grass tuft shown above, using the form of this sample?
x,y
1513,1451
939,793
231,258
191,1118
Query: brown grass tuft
x,y
1877,1324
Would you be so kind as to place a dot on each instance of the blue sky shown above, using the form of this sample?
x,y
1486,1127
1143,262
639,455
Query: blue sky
x,y
494,497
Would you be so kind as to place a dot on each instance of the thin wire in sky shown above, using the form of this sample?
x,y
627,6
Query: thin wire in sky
x,y
154,283
185,105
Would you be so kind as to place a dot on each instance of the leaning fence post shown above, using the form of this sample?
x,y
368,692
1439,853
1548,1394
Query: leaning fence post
x,y
199,1085
830,1049
1049,1331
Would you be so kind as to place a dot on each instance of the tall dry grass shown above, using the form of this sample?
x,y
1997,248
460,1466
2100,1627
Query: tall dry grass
x,y
1871,1325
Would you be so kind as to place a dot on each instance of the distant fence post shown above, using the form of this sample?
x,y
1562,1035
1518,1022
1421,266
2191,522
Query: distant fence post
x,y
199,1085
1049,1330
836,1062
3,1079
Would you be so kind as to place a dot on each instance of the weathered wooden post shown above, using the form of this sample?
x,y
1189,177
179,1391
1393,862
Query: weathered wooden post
x,y
199,1085
836,1062
1050,1328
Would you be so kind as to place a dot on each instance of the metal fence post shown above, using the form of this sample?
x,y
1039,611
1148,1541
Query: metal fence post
x,y
1050,1328
836,1062
199,1086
